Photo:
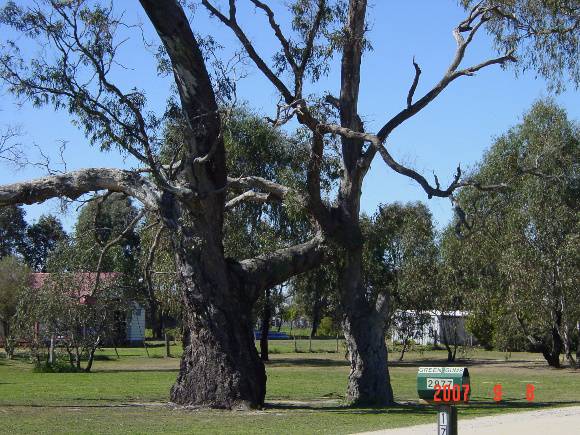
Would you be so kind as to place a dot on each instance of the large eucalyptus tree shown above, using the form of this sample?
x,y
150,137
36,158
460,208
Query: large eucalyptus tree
x,y
528,33
220,366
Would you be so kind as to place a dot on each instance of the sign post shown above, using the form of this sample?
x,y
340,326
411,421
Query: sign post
x,y
447,420
444,387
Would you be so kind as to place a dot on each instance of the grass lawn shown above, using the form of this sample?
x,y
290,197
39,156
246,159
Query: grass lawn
x,y
305,394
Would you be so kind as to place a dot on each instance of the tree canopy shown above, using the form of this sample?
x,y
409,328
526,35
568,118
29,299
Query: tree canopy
x,y
519,260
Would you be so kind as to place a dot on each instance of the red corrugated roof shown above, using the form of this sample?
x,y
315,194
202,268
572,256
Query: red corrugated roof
x,y
83,282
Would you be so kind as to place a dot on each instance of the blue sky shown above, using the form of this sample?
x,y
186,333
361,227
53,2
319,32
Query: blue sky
x,y
456,128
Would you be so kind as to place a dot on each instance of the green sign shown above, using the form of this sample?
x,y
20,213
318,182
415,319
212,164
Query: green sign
x,y
443,384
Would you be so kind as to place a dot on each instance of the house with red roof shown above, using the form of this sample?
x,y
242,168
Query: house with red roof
x,y
82,288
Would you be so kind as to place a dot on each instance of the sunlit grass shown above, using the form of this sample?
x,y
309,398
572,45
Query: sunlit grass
x,y
129,394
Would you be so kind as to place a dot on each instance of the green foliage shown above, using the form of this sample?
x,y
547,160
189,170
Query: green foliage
x,y
42,239
400,256
519,263
329,327
544,35
12,231
255,148
58,366
14,276
482,326
85,38
315,294
99,222
66,310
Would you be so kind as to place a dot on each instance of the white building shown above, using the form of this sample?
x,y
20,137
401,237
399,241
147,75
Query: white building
x,y
431,327
135,327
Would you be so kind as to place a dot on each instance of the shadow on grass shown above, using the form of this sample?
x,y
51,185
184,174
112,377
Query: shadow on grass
x,y
301,362
110,403
423,409
523,364
152,370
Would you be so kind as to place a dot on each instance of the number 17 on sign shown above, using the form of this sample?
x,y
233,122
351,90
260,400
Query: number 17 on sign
x,y
443,423
447,420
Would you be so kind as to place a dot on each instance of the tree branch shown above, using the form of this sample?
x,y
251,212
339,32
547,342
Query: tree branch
x,y
271,269
278,32
112,243
248,46
452,73
76,183
414,84
251,196
243,184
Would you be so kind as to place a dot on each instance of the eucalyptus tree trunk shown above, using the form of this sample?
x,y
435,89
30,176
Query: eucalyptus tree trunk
x,y
578,345
220,366
567,342
552,352
364,331
265,326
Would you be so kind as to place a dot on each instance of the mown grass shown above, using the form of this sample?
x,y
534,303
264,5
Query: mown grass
x,y
305,394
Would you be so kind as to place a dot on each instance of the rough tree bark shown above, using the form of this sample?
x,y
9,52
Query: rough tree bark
x,y
578,344
364,331
266,318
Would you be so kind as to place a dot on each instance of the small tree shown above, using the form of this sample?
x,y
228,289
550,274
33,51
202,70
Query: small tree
x,y
62,311
13,279
410,326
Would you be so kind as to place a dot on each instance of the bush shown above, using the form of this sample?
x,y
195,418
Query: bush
x,y
174,333
328,327
57,367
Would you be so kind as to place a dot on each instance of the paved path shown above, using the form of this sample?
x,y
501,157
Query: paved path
x,y
560,421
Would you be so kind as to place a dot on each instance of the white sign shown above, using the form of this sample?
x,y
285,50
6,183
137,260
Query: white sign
x,y
442,370
443,423
431,382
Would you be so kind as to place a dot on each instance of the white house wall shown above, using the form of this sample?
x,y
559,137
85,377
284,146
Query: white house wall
x,y
136,324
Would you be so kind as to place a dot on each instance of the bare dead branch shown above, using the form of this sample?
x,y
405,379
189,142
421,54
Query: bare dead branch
x,y
251,196
478,14
414,84
248,46
430,190
278,32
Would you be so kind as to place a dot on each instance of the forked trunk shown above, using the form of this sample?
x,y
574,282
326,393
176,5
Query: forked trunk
x,y
552,353
220,366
